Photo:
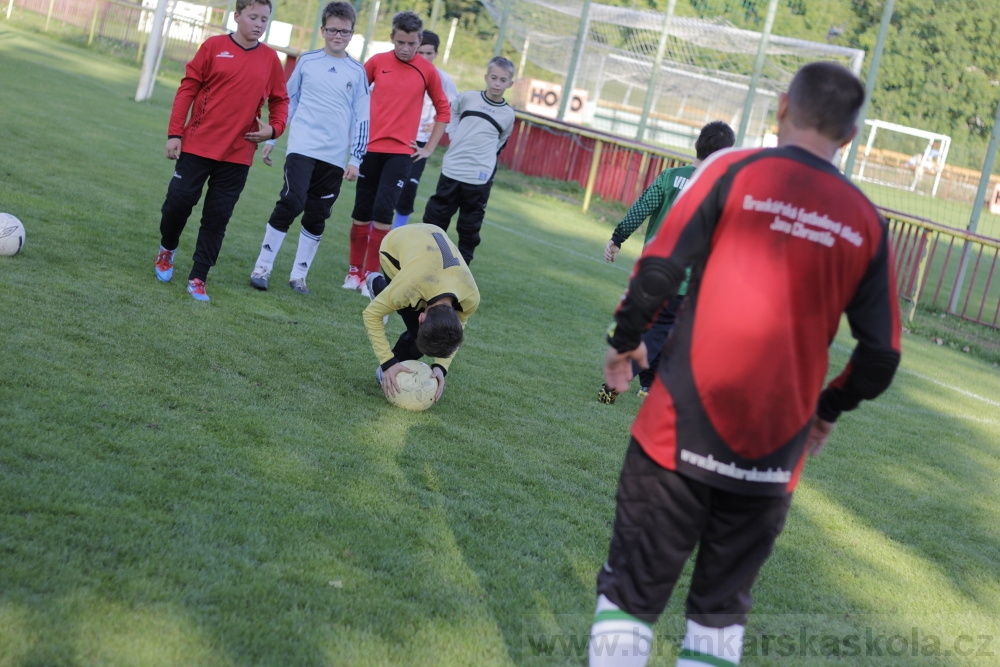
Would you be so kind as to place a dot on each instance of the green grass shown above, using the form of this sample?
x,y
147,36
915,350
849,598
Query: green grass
x,y
939,210
222,483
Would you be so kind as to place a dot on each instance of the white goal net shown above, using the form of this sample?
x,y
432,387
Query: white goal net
x,y
704,75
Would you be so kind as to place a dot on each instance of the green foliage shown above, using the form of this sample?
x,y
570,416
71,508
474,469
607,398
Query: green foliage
x,y
939,71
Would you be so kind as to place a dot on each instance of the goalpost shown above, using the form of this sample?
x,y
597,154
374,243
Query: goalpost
x,y
890,161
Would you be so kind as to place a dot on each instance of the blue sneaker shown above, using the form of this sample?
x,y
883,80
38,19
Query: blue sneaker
x,y
164,265
196,288
258,279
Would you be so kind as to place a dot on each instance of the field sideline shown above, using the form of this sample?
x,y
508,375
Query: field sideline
x,y
223,484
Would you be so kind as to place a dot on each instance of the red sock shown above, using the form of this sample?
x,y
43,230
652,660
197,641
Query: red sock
x,y
359,245
372,263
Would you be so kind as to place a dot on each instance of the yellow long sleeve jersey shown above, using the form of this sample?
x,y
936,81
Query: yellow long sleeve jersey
x,y
422,266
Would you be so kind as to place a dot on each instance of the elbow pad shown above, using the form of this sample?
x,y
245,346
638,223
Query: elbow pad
x,y
655,281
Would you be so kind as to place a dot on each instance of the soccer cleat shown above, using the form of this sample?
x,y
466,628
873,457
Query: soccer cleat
x,y
643,392
196,288
164,264
366,287
369,291
353,279
299,285
606,394
259,278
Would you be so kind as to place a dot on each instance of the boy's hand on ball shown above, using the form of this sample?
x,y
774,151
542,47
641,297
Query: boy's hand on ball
x,y
389,385
438,375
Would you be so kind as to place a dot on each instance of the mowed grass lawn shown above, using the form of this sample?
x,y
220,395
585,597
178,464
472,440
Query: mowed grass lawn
x,y
223,484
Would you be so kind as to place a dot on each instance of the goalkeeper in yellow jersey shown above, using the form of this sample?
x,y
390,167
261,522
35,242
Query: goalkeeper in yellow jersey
x,y
426,281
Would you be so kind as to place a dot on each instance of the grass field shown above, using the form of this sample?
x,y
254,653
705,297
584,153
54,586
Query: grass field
x,y
223,484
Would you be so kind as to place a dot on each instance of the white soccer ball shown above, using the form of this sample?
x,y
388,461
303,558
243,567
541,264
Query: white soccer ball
x,y
11,235
416,389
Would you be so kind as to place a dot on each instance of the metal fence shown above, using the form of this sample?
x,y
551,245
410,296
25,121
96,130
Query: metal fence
x,y
126,24
945,269
658,76
938,267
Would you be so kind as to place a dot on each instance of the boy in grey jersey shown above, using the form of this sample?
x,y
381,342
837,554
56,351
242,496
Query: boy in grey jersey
x,y
481,123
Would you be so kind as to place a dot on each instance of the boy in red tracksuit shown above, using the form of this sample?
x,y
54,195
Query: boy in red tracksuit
x,y
215,126
399,78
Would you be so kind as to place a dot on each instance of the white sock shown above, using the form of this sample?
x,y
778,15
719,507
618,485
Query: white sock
x,y
617,638
270,247
308,243
711,646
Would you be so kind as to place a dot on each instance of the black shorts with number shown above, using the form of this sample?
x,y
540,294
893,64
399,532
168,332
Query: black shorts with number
x,y
404,206
380,181
659,519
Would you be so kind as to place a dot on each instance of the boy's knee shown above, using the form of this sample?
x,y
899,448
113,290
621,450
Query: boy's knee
x,y
314,225
178,201
292,204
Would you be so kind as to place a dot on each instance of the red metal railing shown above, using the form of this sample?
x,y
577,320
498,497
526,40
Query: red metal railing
x,y
610,167
930,258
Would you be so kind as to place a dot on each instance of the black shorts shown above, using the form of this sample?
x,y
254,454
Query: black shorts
x,y
380,181
311,186
659,519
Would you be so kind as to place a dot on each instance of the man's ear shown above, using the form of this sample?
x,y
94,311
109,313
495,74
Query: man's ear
x,y
850,137
782,106
421,317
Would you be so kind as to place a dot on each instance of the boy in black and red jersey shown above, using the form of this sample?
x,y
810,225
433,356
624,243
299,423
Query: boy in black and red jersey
x,y
780,245
224,89
400,78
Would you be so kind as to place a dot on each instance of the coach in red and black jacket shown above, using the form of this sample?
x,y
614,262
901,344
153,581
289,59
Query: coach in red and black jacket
x,y
780,244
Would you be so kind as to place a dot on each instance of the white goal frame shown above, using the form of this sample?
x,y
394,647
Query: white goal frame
x,y
923,162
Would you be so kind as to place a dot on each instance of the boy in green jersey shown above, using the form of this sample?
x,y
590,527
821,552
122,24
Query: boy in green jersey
x,y
654,203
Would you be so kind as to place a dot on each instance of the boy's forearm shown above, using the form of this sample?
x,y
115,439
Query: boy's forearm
x,y
435,137
644,206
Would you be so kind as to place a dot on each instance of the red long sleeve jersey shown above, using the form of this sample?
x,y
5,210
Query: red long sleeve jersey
x,y
781,244
398,99
224,89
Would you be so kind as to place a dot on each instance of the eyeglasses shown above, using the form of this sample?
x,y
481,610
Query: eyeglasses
x,y
333,32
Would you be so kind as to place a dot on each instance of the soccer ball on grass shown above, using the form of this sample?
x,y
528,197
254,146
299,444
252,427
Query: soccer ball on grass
x,y
11,235
416,389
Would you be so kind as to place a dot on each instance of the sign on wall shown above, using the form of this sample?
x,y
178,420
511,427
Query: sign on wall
x,y
543,98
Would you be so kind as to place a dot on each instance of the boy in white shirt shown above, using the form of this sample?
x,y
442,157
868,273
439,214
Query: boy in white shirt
x,y
328,117
481,123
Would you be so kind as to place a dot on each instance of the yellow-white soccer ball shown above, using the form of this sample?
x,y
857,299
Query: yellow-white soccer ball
x,y
416,389
11,235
